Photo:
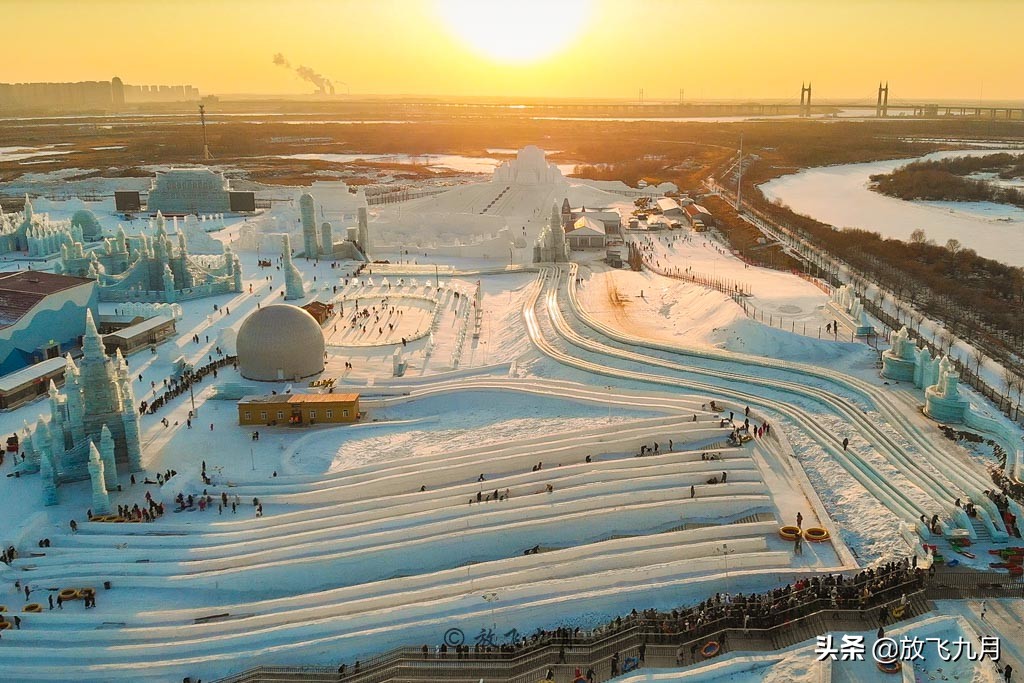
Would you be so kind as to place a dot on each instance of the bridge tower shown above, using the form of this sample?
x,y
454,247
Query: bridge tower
x,y
882,107
805,107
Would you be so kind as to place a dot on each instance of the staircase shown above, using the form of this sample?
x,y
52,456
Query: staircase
x,y
980,530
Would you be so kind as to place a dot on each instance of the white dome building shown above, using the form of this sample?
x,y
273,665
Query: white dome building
x,y
280,342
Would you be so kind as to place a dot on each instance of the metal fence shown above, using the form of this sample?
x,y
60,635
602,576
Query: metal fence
x,y
959,585
666,642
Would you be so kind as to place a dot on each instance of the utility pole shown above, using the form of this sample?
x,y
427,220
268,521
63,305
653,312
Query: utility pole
x,y
206,147
739,180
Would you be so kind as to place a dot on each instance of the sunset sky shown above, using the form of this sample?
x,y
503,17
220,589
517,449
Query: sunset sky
x,y
724,49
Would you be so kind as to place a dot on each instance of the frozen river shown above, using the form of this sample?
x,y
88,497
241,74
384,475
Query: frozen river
x,y
839,196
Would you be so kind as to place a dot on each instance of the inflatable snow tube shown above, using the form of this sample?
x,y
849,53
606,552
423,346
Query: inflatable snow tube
x,y
4,625
789,533
32,607
898,611
69,594
816,534
1016,570
710,649
3,608
893,667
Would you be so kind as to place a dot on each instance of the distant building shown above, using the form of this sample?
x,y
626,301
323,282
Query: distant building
x,y
320,311
30,383
189,190
695,213
587,233
611,220
42,315
669,207
109,95
117,93
298,409
142,335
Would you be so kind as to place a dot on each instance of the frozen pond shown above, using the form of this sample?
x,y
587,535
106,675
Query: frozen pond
x,y
454,162
839,196
20,153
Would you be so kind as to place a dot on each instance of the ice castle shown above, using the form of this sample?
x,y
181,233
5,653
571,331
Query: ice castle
x,y
904,362
95,411
36,233
152,270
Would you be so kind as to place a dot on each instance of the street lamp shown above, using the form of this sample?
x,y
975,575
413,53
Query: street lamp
x,y
491,598
725,551
191,392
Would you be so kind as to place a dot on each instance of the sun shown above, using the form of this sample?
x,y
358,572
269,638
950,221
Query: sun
x,y
515,31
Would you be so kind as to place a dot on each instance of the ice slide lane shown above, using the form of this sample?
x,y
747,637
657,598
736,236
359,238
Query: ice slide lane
x,y
354,554
896,500
629,554
894,403
902,506
576,483
618,554
362,493
326,640
961,472
942,468
600,492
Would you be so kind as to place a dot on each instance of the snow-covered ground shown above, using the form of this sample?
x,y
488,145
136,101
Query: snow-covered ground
x,y
386,533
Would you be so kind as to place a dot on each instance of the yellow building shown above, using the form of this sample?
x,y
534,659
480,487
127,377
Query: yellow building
x,y
298,409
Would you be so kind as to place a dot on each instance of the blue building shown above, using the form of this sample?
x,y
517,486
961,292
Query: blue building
x,y
42,316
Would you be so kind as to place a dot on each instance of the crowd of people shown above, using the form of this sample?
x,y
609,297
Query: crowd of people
x,y
1011,489
866,590
177,386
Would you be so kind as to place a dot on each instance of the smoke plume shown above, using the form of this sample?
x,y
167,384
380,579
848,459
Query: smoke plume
x,y
323,84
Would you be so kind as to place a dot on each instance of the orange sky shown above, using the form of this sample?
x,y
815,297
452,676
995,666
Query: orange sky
x,y
724,49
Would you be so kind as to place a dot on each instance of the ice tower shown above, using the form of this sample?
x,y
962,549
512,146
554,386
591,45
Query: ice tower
x,y
293,287
310,246
95,412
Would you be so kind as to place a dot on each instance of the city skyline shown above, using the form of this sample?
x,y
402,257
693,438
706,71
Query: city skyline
x,y
572,49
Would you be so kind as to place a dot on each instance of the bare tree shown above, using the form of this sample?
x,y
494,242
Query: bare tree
x,y
953,246
1019,389
944,340
978,356
1010,381
918,318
